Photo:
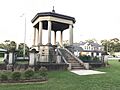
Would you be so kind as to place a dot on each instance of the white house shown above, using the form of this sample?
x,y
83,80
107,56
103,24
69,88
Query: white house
x,y
88,48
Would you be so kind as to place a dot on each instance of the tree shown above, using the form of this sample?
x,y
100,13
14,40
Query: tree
x,y
12,46
115,40
2,46
21,49
9,45
112,45
91,40
106,44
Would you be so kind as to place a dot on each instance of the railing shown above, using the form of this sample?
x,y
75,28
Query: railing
x,y
74,56
62,56
85,65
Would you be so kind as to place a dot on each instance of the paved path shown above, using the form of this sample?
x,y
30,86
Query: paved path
x,y
87,72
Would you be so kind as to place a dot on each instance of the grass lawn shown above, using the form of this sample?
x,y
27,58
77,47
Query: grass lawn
x,y
1,59
64,80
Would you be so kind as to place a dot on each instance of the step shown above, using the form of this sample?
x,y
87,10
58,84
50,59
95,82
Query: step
x,y
71,58
72,61
78,67
75,64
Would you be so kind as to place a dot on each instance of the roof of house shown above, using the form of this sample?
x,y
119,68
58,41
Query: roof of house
x,y
3,50
90,43
76,48
82,43
96,44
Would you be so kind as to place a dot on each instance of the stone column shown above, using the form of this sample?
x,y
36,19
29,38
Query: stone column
x,y
40,33
34,39
10,60
61,38
54,37
37,31
5,56
49,32
32,60
70,35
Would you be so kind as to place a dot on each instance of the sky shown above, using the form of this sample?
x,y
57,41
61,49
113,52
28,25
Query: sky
x,y
99,19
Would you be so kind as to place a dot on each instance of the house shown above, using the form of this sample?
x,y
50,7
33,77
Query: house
x,y
88,48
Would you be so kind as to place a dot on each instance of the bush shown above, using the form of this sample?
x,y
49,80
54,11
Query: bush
x,y
43,71
16,76
29,74
85,57
96,58
4,77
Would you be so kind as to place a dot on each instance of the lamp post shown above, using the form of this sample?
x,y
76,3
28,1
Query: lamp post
x,y
24,36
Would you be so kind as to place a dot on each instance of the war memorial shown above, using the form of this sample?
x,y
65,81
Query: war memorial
x,y
51,56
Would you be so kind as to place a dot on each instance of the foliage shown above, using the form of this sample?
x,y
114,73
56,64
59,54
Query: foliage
x,y
4,77
95,58
88,57
21,49
12,46
112,45
85,57
16,76
9,45
43,71
91,40
28,73
1,54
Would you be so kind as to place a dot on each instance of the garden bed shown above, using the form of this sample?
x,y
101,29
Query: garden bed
x,y
25,81
24,77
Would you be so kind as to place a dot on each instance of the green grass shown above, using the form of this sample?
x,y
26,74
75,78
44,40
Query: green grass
x,y
64,80
22,62
1,60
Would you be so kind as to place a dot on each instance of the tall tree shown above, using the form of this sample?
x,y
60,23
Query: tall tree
x,y
21,49
112,45
12,46
9,45
106,44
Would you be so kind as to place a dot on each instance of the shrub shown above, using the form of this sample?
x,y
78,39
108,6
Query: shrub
x,y
95,58
4,77
29,74
85,57
43,71
16,76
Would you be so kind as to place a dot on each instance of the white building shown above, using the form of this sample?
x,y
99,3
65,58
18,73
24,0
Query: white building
x,y
88,48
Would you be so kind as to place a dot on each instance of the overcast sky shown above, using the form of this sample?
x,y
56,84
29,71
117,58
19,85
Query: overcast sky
x,y
99,19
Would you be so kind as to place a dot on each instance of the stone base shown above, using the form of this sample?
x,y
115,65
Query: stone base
x,y
86,66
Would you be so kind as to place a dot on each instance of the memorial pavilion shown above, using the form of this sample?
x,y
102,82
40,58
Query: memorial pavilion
x,y
50,53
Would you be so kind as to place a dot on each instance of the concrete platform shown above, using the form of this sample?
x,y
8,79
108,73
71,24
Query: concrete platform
x,y
86,72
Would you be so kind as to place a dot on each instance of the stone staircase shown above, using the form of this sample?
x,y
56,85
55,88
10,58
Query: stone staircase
x,y
75,64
